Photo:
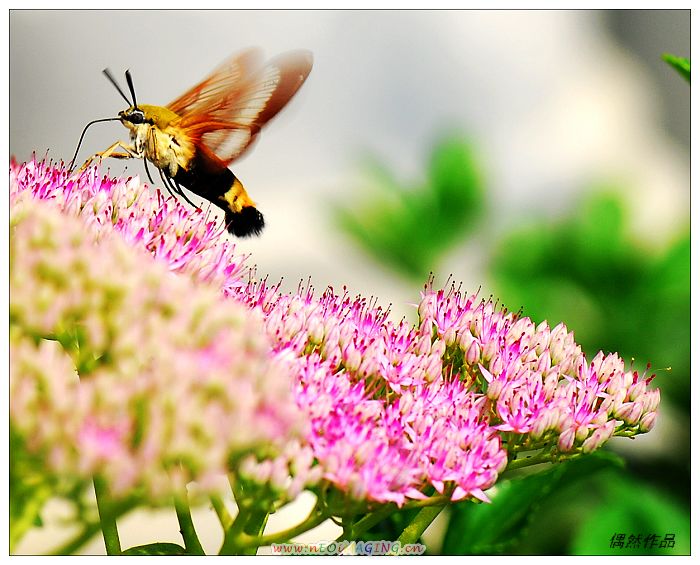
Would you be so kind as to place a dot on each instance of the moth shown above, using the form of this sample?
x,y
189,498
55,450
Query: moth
x,y
193,140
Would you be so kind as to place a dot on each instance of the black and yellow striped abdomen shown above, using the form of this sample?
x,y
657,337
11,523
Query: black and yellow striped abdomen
x,y
216,183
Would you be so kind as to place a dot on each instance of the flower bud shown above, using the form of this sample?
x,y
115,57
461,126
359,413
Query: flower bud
x,y
450,336
438,348
636,390
473,353
496,365
494,389
647,422
566,440
424,345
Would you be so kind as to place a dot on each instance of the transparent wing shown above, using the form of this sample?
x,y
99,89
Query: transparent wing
x,y
228,108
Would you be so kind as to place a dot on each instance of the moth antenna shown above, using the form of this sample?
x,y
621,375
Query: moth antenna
x,y
130,82
111,78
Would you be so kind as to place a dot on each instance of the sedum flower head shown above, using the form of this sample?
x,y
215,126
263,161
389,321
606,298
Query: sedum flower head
x,y
123,369
187,242
395,411
398,411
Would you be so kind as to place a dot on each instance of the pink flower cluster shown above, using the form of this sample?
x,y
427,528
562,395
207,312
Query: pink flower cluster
x,y
395,411
186,242
123,369
537,379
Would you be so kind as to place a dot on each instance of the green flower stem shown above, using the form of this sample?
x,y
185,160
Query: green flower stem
x,y
353,531
224,517
184,517
439,500
237,490
238,542
254,527
626,433
542,457
90,529
74,544
313,520
21,525
108,522
419,524
232,536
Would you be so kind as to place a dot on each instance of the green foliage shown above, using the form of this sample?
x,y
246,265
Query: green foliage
x,y
159,548
583,515
391,527
496,528
584,502
410,227
586,269
681,64
632,508
30,489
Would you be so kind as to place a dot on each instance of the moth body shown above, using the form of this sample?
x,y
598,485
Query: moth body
x,y
192,140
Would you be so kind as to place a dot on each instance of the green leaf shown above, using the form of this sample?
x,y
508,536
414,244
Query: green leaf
x,y
158,548
30,489
410,227
633,508
391,527
588,270
495,528
681,64
665,314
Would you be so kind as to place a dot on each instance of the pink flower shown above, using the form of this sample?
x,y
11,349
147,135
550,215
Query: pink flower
x,y
394,411
397,409
179,237
173,377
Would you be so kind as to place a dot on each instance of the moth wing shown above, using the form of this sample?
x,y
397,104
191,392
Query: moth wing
x,y
222,81
227,110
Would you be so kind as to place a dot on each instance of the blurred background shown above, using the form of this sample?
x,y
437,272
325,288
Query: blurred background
x,y
540,156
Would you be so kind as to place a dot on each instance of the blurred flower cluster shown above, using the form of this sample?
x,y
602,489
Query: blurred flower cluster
x,y
142,348
119,367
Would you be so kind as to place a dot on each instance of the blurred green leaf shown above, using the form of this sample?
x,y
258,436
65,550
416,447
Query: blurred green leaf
x,y
412,227
587,270
664,309
573,270
633,508
160,548
30,489
496,528
391,527
681,64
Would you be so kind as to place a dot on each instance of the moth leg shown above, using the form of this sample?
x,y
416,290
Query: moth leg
x,y
111,151
152,135
170,184
148,173
182,193
165,183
